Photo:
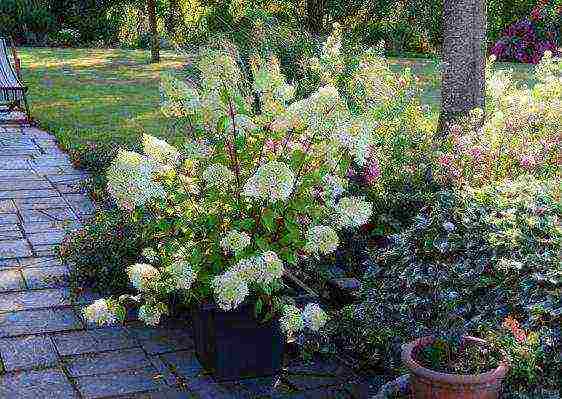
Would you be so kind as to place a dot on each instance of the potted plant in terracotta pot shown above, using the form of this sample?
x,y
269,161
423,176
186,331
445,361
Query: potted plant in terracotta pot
x,y
451,364
253,189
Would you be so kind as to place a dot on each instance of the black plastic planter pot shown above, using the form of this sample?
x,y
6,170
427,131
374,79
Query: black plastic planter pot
x,y
233,345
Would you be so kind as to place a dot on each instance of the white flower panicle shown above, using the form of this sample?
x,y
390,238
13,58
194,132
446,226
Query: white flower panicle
x,y
352,212
100,312
142,276
273,181
151,314
218,175
314,317
291,320
230,290
159,150
130,180
183,273
273,267
235,241
149,254
321,240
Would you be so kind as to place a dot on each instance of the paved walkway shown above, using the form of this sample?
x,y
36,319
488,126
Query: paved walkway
x,y
46,349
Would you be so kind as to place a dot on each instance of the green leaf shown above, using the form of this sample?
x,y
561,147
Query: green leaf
x,y
268,220
258,307
247,224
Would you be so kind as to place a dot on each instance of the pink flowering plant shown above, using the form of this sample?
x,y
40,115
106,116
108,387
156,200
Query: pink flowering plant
x,y
527,40
259,184
520,135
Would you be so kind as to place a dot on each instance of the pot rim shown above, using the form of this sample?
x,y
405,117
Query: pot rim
x,y
415,368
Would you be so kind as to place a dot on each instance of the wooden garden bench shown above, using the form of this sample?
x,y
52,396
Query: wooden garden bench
x,y
12,91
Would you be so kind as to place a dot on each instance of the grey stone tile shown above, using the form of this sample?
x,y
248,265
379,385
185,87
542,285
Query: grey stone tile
x,y
17,194
47,215
47,277
107,362
5,173
70,188
206,388
60,225
27,352
8,218
40,262
119,383
31,184
45,250
9,263
14,249
11,280
101,339
54,170
11,234
34,299
183,363
38,321
41,203
162,339
14,163
46,237
34,384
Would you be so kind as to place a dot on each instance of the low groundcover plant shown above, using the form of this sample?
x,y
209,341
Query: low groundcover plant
x,y
253,189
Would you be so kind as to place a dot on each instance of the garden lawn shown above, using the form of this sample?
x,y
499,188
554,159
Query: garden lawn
x,y
112,95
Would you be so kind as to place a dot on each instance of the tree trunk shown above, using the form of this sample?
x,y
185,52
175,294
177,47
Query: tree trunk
x,y
464,57
154,40
315,10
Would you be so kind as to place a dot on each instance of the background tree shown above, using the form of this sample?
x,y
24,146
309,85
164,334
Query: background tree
x,y
464,58
154,39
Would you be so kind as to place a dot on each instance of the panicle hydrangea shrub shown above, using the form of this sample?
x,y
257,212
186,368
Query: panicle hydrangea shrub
x,y
260,183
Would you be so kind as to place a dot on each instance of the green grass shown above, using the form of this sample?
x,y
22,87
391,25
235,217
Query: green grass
x,y
93,95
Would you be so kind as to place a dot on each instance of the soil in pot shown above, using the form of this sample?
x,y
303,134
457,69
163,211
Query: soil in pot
x,y
469,358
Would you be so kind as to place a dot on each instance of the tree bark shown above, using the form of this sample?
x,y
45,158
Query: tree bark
x,y
154,40
315,12
464,57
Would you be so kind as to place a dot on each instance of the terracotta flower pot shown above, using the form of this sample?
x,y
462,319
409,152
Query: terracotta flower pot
x,y
429,384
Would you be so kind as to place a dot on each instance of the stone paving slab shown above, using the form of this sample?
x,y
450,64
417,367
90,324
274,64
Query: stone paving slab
x,y
34,384
28,352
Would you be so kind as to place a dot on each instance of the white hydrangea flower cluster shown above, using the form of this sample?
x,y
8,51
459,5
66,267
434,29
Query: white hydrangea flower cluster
x,y
272,181
232,287
293,320
149,254
159,150
314,317
218,175
352,212
143,276
321,240
130,180
101,313
151,314
183,273
235,241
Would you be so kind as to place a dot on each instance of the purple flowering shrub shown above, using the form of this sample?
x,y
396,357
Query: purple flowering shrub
x,y
527,40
